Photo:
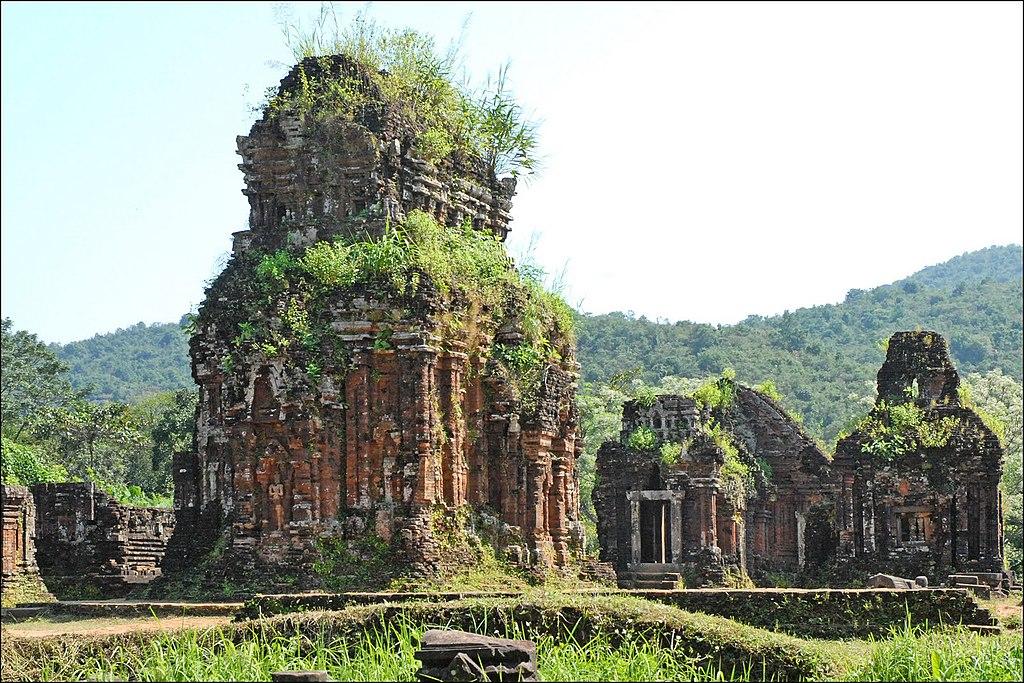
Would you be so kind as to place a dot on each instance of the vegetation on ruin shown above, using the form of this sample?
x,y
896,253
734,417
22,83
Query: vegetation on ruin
x,y
642,439
448,117
894,430
717,394
284,311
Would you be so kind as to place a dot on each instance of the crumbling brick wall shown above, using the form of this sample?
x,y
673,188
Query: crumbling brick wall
x,y
87,538
799,477
927,504
408,422
20,576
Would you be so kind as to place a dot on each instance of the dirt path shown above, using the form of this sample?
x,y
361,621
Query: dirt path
x,y
57,626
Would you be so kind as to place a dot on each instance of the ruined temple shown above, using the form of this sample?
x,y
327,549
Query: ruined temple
x,y
920,474
913,491
87,540
727,492
370,414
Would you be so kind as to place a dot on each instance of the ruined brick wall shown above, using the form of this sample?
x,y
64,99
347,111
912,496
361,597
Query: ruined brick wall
x,y
409,421
762,529
799,477
19,579
933,507
85,536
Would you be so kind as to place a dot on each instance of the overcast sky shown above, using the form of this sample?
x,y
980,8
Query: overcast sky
x,y
701,161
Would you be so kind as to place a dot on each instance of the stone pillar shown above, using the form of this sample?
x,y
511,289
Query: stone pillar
x,y
677,526
634,525
868,508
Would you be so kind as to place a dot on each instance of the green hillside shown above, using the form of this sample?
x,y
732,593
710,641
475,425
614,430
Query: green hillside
x,y
823,359
130,363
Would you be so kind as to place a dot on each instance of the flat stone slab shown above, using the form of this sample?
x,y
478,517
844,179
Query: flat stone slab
x,y
889,581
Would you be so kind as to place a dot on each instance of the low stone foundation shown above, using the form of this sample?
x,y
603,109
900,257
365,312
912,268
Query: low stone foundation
x,y
824,613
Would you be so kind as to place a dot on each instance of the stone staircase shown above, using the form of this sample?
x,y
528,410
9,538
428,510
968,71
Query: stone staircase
x,y
649,579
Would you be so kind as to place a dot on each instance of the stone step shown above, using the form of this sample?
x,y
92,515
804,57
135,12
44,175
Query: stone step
x,y
981,591
15,614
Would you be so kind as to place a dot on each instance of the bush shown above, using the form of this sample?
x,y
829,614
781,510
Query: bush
x,y
642,439
25,465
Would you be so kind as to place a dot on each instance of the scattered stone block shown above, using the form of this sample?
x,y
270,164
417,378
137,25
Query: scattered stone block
x,y
448,655
955,579
889,581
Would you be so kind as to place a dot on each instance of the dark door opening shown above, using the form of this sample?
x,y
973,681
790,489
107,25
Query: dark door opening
x,y
655,532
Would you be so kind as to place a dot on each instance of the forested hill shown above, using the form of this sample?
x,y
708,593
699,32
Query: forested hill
x,y
129,363
822,358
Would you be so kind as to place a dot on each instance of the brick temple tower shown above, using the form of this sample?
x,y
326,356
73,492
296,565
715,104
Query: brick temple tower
x,y
386,420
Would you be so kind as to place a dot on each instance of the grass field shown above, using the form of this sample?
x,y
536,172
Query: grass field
x,y
595,638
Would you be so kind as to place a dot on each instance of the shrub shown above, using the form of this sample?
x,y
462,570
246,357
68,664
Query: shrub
x,y
642,439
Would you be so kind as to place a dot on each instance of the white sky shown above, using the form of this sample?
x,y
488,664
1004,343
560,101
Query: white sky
x,y
702,161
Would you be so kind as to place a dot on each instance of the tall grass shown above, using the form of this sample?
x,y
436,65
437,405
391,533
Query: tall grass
x,y
382,653
949,654
386,651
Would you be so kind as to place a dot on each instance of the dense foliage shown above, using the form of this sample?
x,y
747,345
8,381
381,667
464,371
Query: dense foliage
x,y
52,433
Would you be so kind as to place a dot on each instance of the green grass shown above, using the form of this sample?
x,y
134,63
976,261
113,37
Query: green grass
x,y
382,653
951,654
591,638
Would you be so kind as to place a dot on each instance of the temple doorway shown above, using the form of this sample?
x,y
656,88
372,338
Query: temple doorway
x,y
655,531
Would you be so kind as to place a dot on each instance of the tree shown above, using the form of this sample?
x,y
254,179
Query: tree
x,y
92,439
25,465
169,420
32,380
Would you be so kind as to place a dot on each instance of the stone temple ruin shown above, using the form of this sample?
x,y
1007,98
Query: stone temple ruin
x,y
933,506
84,537
686,514
916,495
73,539
401,425
20,576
